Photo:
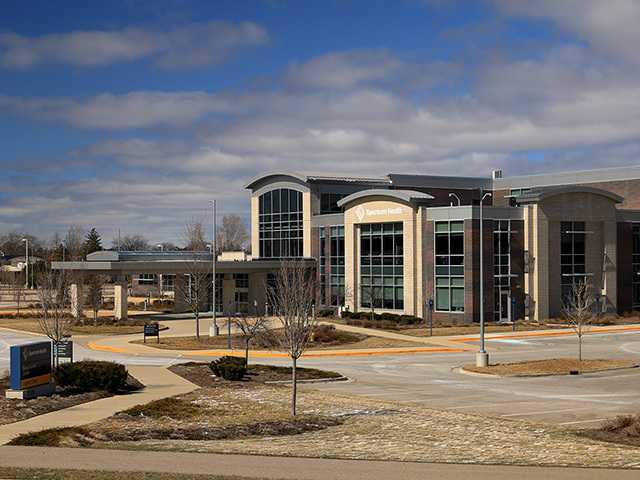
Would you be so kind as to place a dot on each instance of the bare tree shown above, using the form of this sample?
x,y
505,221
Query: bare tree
x,y
292,295
232,234
250,327
17,291
131,243
194,236
578,309
54,319
94,294
194,290
74,243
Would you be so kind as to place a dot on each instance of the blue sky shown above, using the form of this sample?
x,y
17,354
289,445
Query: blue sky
x,y
131,115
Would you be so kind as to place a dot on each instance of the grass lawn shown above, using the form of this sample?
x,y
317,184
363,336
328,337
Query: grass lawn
x,y
104,327
49,474
341,340
552,366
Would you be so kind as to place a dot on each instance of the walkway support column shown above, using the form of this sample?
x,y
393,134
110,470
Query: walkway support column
x,y
179,288
74,300
120,299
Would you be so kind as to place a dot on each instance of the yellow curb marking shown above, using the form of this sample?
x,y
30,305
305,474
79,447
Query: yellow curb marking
x,y
546,334
106,348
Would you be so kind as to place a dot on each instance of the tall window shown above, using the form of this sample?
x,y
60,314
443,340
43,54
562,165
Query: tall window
x,y
572,256
334,265
502,269
241,292
381,266
280,223
636,265
449,266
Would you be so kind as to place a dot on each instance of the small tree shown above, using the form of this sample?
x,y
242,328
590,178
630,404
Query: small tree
x,y
578,309
250,327
292,295
17,291
54,319
92,242
195,289
94,294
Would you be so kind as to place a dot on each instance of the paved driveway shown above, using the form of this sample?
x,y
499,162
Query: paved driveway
x,y
434,381
431,378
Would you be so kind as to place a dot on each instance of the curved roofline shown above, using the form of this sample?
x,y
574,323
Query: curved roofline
x,y
408,196
543,194
297,176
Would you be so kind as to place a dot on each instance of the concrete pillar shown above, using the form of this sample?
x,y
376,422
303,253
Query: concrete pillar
x,y
74,300
610,263
179,286
120,300
228,294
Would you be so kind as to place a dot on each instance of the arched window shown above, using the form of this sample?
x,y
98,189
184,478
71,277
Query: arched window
x,y
280,223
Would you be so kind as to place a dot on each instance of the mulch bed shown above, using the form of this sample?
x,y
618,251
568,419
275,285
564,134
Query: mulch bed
x,y
15,410
552,366
201,374
623,429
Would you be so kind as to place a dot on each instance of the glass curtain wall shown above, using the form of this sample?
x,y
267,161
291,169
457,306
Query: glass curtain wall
x,y
382,266
572,256
502,269
280,223
449,266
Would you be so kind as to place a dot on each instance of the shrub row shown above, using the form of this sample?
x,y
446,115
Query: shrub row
x,y
90,376
229,368
385,316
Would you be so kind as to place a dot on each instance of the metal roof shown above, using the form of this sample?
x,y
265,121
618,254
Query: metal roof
x,y
539,195
408,196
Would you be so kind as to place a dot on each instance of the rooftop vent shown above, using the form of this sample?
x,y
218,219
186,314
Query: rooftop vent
x,y
496,174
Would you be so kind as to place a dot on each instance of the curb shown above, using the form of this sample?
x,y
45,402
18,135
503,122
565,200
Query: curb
x,y
310,380
463,371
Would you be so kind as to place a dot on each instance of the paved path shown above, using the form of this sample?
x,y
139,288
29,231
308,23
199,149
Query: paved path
x,y
160,383
251,466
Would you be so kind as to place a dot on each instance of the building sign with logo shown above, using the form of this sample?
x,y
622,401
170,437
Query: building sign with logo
x,y
30,365
362,212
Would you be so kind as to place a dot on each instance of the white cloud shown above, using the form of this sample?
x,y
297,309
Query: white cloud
x,y
132,110
186,46
610,26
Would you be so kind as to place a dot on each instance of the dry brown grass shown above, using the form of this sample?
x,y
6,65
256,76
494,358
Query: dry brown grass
x,y
344,340
552,366
104,327
623,429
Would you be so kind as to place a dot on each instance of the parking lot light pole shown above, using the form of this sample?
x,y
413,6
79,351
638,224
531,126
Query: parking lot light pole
x,y
453,195
482,357
213,328
26,262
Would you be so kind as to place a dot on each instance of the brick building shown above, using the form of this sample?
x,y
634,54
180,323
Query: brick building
x,y
403,242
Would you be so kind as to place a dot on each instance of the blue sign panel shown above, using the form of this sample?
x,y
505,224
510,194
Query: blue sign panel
x,y
30,365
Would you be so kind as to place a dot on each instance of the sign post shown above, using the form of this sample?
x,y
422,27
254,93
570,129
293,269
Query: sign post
x,y
151,330
430,314
63,349
31,370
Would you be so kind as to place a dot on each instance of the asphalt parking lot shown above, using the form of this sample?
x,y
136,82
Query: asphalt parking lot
x,y
433,380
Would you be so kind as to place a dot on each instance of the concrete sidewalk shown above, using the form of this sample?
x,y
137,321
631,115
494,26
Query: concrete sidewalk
x,y
159,383
283,467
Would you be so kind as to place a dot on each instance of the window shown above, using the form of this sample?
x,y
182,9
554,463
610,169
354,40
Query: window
x,y
502,269
280,223
333,267
241,279
329,202
516,192
168,282
449,266
572,256
636,265
146,279
382,266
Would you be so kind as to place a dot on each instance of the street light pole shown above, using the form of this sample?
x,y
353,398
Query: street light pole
x,y
26,271
453,195
160,275
482,357
213,329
